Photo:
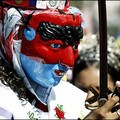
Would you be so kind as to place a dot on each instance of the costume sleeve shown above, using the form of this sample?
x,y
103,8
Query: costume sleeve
x,y
5,114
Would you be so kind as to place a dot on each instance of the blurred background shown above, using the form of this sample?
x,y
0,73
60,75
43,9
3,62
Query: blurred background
x,y
90,13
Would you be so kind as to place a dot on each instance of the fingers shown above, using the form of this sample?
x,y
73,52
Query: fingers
x,y
110,103
118,86
118,83
104,112
116,114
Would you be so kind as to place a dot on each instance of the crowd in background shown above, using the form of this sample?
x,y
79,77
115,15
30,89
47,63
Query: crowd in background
x,y
90,11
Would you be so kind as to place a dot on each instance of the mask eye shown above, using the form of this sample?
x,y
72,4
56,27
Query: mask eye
x,y
55,45
75,46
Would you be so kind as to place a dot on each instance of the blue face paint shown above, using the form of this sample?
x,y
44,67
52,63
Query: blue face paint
x,y
42,74
29,33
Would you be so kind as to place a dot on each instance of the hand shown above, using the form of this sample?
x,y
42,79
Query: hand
x,y
104,112
118,86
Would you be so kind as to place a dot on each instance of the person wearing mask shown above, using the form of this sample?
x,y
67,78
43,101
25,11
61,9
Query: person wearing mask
x,y
37,47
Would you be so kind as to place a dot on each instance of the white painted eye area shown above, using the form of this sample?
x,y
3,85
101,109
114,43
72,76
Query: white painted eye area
x,y
55,45
75,46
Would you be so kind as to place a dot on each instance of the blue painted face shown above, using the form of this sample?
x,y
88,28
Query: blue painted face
x,y
45,75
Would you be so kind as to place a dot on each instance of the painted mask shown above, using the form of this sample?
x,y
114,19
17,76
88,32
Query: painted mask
x,y
41,44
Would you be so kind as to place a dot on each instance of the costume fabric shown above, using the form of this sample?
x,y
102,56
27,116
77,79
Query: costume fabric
x,y
60,96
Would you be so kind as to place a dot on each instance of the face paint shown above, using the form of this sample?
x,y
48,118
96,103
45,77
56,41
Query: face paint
x,y
43,74
41,45
56,43
49,46
52,51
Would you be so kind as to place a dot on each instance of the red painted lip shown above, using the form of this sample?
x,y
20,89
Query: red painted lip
x,y
59,72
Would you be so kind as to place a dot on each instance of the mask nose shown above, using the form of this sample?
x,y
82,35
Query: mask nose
x,y
67,57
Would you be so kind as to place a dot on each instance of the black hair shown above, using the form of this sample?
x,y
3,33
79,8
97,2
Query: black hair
x,y
9,78
81,65
90,55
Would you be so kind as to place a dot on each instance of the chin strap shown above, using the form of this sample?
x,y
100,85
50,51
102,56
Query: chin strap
x,y
103,96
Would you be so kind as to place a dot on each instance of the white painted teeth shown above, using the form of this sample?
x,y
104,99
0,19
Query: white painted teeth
x,y
61,74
